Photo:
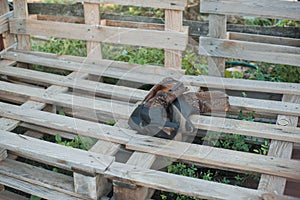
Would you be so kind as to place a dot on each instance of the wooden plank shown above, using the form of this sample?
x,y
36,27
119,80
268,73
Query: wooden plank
x,y
258,8
92,17
38,176
204,155
280,149
96,186
255,129
150,26
166,4
7,39
4,21
184,185
34,189
139,37
220,158
243,85
264,39
21,11
55,154
198,81
151,74
6,195
129,191
173,22
271,53
217,29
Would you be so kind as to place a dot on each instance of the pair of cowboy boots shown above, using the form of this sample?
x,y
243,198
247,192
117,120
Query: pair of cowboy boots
x,y
167,108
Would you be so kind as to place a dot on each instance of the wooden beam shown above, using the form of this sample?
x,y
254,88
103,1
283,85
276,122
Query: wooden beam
x,y
271,53
259,8
217,29
173,22
275,184
140,37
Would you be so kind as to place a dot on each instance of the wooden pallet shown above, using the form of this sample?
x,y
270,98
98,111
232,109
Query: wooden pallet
x,y
128,162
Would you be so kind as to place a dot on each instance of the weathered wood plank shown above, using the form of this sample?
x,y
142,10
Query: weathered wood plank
x,y
178,150
115,68
280,149
92,17
209,156
255,129
38,176
3,154
271,53
21,11
217,29
259,8
264,39
34,189
58,155
6,39
196,28
167,4
173,22
184,185
139,37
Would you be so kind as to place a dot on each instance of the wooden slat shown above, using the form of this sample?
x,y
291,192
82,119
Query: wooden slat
x,y
139,37
165,4
7,39
260,8
38,176
264,39
277,54
55,154
173,22
204,155
199,81
217,29
21,11
184,185
255,129
116,69
280,149
244,85
34,189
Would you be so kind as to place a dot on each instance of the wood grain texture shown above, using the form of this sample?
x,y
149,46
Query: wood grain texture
x,y
21,11
184,185
264,39
38,176
217,29
166,4
154,75
58,155
139,37
8,39
277,54
258,8
280,149
92,17
173,22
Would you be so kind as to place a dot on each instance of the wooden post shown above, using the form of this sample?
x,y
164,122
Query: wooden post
x,y
217,29
92,16
280,149
6,39
21,11
173,22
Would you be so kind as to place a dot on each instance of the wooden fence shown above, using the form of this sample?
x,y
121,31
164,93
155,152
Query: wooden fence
x,y
121,159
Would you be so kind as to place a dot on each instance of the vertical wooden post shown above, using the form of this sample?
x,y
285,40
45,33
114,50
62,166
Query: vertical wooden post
x,y
280,149
21,11
217,29
92,16
173,22
6,39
